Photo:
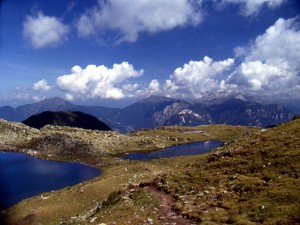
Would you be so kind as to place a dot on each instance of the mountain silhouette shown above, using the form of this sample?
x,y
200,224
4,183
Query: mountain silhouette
x,y
66,118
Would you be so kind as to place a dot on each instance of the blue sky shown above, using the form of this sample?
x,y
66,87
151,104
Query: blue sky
x,y
115,51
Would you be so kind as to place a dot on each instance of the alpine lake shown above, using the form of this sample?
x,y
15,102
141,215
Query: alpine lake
x,y
23,176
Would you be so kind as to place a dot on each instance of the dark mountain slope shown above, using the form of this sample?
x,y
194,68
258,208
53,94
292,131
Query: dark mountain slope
x,y
232,110
9,113
66,118
140,114
239,112
157,111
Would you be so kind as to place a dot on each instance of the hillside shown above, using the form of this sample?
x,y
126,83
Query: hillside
x,y
66,118
252,179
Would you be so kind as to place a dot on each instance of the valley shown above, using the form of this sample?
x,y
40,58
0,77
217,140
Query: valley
x,y
253,178
116,112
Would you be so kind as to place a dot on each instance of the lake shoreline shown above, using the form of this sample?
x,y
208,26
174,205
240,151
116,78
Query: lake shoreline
x,y
34,154
101,150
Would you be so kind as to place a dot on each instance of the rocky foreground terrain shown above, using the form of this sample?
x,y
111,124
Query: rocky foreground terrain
x,y
252,179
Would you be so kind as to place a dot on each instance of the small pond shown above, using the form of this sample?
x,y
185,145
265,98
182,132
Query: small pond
x,y
23,176
178,150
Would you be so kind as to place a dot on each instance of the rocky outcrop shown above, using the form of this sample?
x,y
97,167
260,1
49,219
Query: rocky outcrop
x,y
15,133
60,144
141,114
162,118
234,111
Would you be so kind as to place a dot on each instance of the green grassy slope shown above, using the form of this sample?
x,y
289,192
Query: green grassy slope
x,y
250,181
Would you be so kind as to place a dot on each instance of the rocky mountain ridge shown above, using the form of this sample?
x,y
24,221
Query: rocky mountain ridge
x,y
156,111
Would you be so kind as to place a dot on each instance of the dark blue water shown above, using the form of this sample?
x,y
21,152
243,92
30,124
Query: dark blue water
x,y
178,150
23,176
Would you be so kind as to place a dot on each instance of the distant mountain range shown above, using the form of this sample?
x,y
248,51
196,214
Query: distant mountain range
x,y
162,111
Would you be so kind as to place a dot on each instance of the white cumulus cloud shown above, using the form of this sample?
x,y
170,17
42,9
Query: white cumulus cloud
x,y
154,86
41,85
197,77
252,7
272,62
130,18
280,41
269,65
42,31
99,81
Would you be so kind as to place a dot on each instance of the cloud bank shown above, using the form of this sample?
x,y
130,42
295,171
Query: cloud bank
x,y
99,81
131,18
197,77
272,62
42,31
251,7
270,65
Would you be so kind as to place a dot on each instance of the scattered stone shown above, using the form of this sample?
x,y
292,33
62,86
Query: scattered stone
x,y
295,174
150,220
31,152
93,219
44,197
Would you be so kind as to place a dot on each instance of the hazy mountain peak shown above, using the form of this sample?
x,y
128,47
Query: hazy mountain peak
x,y
54,101
221,97
156,98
